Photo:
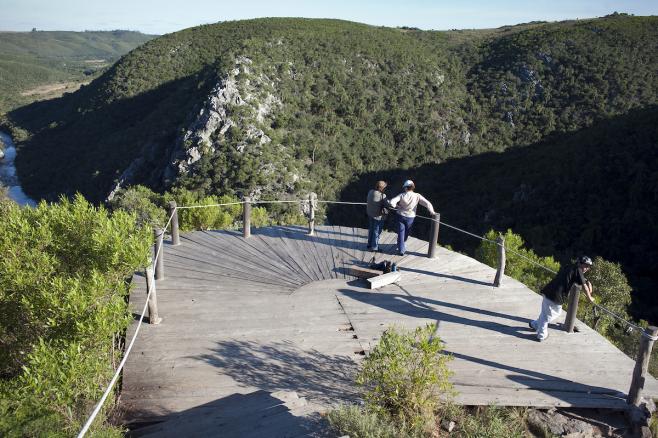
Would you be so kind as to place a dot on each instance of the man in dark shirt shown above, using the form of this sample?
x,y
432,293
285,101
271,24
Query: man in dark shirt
x,y
556,293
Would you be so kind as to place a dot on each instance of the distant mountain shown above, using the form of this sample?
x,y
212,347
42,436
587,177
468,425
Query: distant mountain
x,y
32,59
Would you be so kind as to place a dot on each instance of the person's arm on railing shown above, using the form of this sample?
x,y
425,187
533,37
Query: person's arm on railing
x,y
427,204
587,286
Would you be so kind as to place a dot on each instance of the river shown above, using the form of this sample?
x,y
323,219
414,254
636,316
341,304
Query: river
x,y
8,176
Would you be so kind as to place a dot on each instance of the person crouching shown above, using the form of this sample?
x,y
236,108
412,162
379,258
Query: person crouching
x,y
556,293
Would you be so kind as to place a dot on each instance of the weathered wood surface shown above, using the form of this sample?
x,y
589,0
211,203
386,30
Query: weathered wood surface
x,y
262,334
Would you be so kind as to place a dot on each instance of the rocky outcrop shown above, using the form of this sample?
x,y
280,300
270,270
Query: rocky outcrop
x,y
242,87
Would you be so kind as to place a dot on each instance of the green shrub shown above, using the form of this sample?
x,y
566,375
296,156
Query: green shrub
x,y
62,305
611,290
492,422
405,376
358,422
4,194
260,217
204,218
147,205
517,267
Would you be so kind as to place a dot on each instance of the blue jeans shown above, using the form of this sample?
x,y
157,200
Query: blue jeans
x,y
404,228
374,230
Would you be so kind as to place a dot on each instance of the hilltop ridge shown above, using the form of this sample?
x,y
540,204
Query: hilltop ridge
x,y
34,63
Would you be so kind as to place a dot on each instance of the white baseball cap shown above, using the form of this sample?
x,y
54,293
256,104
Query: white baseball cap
x,y
408,183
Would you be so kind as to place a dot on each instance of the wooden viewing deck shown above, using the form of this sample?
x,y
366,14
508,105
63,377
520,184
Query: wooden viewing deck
x,y
259,335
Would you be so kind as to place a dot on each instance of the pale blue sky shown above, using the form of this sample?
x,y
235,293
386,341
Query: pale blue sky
x,y
163,16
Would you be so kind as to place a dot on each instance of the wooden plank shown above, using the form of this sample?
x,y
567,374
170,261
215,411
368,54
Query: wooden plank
x,y
328,239
298,251
255,249
323,246
274,238
315,255
383,279
362,272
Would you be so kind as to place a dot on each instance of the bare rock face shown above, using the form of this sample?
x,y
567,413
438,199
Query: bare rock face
x,y
213,117
242,87
561,425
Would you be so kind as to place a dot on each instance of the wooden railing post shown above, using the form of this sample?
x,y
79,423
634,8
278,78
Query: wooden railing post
x,y
641,365
500,242
153,299
246,221
434,236
175,233
311,215
572,310
158,251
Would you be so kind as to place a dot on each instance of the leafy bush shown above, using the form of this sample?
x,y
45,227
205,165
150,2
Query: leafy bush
x,y
611,290
491,422
147,205
4,194
404,377
206,217
358,422
518,267
62,304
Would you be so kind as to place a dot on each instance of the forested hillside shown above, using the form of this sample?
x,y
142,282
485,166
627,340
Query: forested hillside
x,y
32,59
279,107
282,105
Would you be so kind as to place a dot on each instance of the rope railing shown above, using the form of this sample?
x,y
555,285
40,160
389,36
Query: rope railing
x,y
151,285
117,372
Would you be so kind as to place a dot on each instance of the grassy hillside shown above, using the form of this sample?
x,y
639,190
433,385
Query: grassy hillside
x,y
30,59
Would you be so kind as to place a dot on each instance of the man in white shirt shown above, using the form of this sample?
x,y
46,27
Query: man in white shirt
x,y
405,205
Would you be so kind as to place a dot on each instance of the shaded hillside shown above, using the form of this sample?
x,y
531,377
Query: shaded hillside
x,y
274,106
30,59
594,191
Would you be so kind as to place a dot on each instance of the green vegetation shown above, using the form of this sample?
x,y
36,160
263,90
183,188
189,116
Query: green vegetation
x,y
308,105
63,311
149,207
526,267
404,377
343,98
407,394
30,59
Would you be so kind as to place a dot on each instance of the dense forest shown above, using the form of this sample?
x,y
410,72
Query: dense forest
x,y
32,59
557,117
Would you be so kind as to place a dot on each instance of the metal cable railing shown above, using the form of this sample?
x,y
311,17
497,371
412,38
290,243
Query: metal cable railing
x,y
151,286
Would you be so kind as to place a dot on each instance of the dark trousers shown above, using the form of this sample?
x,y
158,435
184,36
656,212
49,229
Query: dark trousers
x,y
404,228
374,230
